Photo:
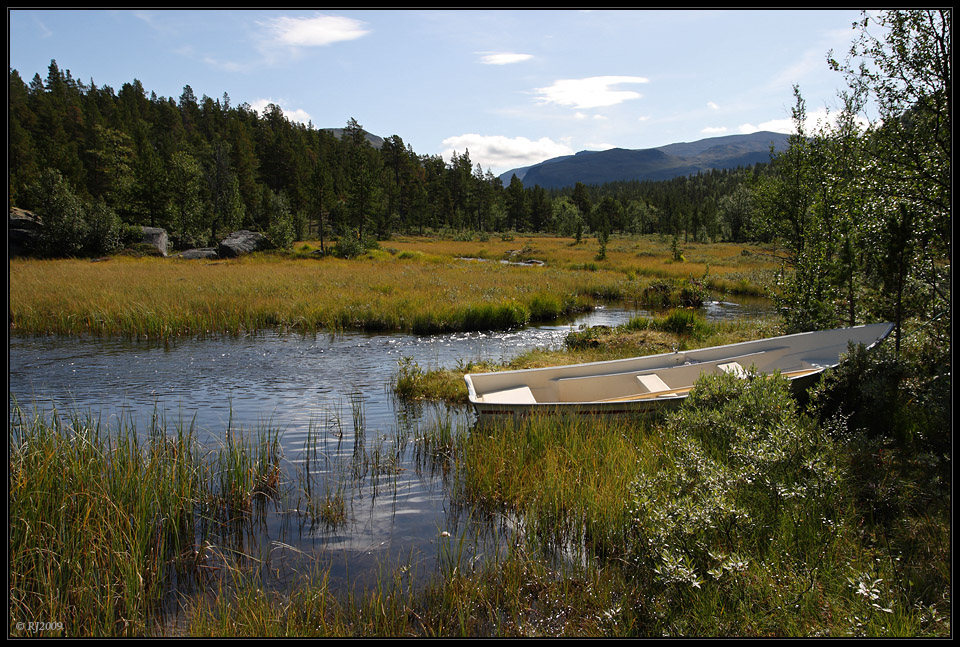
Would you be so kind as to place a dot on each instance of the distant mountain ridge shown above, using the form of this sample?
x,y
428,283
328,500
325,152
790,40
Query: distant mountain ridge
x,y
661,163
375,140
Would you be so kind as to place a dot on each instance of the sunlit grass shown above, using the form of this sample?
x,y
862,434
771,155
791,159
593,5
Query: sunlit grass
x,y
646,256
415,285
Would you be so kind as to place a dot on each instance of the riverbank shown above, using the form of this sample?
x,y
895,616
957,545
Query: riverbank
x,y
741,515
413,285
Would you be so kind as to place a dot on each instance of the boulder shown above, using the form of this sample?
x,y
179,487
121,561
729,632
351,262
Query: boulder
x,y
204,253
155,237
242,242
23,232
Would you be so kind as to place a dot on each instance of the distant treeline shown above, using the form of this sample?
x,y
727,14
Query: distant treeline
x,y
199,168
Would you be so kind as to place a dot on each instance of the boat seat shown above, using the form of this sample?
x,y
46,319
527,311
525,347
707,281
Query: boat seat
x,y
518,395
733,368
651,383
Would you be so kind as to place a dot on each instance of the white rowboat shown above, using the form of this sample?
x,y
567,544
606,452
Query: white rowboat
x,y
643,384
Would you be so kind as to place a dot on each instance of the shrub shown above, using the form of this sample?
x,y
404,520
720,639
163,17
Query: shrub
x,y
585,338
683,322
63,226
692,294
742,476
103,231
351,246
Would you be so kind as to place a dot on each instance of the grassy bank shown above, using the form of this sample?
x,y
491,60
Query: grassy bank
x,y
410,285
740,515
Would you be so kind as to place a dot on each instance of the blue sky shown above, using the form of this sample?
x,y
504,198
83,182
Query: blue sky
x,y
512,87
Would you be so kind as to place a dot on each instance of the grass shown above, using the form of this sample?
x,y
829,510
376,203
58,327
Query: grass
x,y
738,515
416,285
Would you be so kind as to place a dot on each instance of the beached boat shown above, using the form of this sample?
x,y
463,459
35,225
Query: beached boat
x,y
642,384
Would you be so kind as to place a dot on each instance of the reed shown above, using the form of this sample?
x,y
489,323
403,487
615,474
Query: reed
x,y
420,287
563,475
107,523
98,522
736,516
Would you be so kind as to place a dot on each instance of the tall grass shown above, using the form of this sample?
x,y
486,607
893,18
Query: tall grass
x,y
419,287
566,477
160,298
737,515
98,523
106,524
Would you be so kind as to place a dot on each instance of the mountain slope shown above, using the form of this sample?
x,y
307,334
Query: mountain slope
x,y
662,163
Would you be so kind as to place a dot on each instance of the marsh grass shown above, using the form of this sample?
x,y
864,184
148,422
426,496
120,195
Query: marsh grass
x,y
107,525
567,477
739,515
98,522
163,298
416,285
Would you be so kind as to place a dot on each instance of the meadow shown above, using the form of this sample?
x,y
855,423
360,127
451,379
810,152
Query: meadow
x,y
410,285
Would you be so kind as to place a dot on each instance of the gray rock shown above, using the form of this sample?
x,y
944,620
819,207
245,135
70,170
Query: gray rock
x,y
156,237
242,242
23,232
204,253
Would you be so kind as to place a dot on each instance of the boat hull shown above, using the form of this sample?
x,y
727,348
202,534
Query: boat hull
x,y
656,382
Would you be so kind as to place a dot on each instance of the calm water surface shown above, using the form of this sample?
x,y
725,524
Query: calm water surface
x,y
332,391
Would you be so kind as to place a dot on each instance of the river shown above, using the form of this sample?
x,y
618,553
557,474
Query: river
x,y
332,391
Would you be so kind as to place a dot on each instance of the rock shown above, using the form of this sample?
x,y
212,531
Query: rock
x,y
242,242
23,232
156,237
204,253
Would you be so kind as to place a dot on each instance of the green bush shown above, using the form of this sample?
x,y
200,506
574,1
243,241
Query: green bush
x,y
744,479
682,322
351,246
63,223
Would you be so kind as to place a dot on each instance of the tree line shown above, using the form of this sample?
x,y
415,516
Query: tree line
x,y
96,162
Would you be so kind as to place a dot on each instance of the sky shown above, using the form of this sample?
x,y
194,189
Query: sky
x,y
512,87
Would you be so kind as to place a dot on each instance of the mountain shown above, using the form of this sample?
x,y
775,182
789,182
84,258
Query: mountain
x,y
375,140
662,163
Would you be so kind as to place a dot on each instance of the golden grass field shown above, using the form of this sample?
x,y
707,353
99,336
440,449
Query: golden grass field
x,y
410,284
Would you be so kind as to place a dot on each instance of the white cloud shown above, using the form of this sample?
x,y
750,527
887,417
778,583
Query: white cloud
x,y
503,58
714,130
600,146
815,120
591,92
313,32
301,116
502,153
712,105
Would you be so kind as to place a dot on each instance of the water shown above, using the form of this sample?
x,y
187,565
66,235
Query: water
x,y
331,390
